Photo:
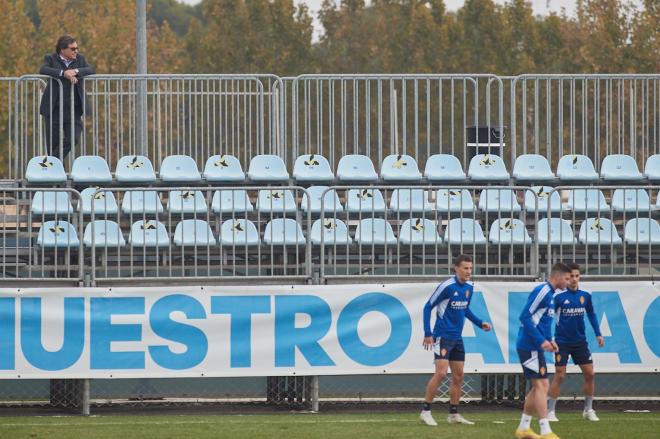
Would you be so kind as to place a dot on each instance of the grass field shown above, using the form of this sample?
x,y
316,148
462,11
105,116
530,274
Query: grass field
x,y
401,425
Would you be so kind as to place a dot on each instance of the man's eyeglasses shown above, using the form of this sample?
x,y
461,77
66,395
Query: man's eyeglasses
x,y
73,49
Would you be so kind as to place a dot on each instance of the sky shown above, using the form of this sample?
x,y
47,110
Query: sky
x,y
541,7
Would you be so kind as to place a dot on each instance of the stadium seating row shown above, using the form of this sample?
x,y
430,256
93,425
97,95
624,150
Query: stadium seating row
x,y
332,231
313,168
365,200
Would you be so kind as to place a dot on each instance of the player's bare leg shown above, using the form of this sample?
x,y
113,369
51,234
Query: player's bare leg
x,y
589,385
455,390
441,368
553,392
535,402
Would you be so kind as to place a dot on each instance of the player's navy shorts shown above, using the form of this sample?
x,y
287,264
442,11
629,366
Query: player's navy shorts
x,y
579,351
533,364
452,350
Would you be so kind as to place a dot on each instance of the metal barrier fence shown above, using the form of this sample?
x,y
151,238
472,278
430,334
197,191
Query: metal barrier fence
x,y
594,115
287,233
615,235
204,232
413,231
380,115
39,232
153,115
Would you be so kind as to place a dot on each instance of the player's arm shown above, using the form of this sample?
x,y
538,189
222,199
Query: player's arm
x,y
436,297
591,315
526,319
476,320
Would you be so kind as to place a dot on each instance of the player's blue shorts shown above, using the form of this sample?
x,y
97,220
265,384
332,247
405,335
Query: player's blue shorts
x,y
452,350
579,351
533,364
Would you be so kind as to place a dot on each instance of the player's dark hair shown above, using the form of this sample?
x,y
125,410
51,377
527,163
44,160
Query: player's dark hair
x,y
574,266
458,260
559,267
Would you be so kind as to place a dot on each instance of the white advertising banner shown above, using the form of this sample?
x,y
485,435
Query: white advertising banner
x,y
289,330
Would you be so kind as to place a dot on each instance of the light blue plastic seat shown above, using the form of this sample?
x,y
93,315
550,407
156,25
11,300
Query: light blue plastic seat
x,y
141,202
587,200
652,168
276,201
193,233
57,234
532,167
312,168
400,167
487,168
539,202
283,231
331,231
331,202
135,169
419,231
150,234
223,169
453,200
104,203
642,231
365,200
51,203
598,231
498,200
464,231
103,233
179,168
509,231
45,169
631,200
90,169
444,167
186,202
576,167
374,231
231,201
620,167
356,167
555,231
410,200
238,232
268,168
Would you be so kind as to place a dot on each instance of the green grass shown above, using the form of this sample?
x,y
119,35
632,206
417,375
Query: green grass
x,y
400,425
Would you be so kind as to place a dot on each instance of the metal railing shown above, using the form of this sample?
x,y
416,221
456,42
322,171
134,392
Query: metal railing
x,y
611,231
378,115
594,115
39,234
199,233
414,231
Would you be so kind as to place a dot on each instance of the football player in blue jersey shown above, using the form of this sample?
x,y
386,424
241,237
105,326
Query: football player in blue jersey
x,y
570,308
451,299
535,338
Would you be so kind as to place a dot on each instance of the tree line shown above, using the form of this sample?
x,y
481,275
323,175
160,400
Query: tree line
x,y
386,36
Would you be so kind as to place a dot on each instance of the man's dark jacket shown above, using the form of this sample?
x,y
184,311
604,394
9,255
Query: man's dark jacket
x,y
52,66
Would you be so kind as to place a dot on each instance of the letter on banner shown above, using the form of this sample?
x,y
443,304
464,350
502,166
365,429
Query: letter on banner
x,y
73,340
240,309
484,343
608,304
396,344
652,327
7,333
288,337
193,338
103,333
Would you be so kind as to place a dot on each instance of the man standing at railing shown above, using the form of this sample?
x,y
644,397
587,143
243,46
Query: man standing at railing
x,y
69,66
452,301
570,308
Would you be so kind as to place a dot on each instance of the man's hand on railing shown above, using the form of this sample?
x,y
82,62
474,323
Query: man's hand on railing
x,y
71,76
